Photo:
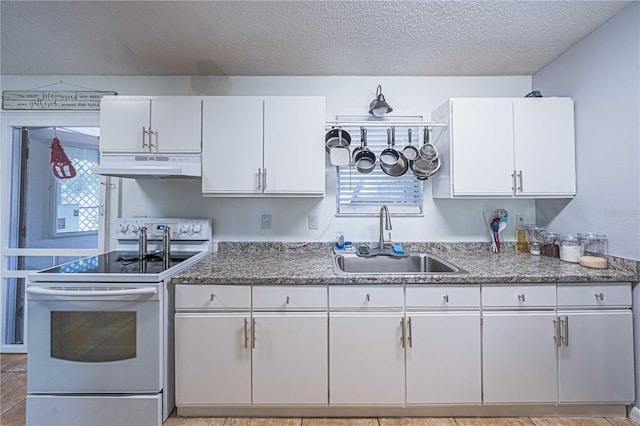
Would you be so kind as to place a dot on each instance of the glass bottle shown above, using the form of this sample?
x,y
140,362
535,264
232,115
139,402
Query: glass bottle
x,y
520,236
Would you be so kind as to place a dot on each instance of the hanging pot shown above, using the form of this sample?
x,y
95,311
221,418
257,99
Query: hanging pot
x,y
389,156
337,138
392,162
363,158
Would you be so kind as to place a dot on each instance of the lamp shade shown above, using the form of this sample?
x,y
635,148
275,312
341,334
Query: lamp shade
x,y
379,105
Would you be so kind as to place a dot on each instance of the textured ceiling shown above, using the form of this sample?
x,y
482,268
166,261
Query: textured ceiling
x,y
292,37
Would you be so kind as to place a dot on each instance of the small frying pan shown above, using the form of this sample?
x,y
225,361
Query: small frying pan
x,y
410,152
389,156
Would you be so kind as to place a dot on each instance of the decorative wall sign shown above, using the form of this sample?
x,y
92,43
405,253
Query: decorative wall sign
x,y
52,100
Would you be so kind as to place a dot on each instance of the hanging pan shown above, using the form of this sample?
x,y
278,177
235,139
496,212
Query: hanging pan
x,y
393,162
363,158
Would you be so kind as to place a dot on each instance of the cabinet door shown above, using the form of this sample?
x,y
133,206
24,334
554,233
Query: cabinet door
x,y
366,359
213,359
294,157
596,361
482,147
544,147
519,357
232,145
443,358
290,359
176,124
122,122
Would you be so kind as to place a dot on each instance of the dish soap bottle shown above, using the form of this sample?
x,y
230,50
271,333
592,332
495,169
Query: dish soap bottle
x,y
340,241
520,236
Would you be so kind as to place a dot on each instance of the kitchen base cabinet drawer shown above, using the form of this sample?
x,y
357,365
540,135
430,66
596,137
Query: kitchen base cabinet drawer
x,y
467,296
592,295
519,296
364,296
221,297
291,297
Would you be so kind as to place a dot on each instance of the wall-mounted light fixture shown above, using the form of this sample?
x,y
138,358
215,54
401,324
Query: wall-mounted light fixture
x,y
379,105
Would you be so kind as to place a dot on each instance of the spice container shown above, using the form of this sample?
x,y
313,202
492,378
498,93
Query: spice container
x,y
549,245
534,248
593,250
570,249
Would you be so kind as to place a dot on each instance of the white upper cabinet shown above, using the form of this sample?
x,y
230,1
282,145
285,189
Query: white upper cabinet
x,y
150,125
261,146
544,147
505,147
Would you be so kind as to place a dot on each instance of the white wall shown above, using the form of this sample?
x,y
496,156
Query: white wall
x,y
238,219
602,74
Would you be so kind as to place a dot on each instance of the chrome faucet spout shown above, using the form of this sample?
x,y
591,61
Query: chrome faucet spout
x,y
387,225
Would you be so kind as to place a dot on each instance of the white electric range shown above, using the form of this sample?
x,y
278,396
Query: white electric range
x,y
100,348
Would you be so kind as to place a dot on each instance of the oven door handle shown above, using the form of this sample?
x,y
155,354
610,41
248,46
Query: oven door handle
x,y
130,291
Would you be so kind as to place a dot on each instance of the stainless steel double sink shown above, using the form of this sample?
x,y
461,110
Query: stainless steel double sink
x,y
415,264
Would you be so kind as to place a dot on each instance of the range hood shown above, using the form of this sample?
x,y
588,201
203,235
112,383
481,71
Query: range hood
x,y
137,166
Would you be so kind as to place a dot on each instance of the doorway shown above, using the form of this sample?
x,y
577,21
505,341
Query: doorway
x,y
49,221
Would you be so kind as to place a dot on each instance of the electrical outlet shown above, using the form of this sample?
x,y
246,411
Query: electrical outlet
x,y
313,222
265,221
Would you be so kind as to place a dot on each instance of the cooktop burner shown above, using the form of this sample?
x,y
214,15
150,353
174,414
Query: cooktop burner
x,y
121,262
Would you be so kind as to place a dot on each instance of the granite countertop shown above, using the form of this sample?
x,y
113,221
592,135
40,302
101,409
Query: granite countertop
x,y
311,263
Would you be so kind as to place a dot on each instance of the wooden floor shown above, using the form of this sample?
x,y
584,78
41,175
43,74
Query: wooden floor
x,y
13,386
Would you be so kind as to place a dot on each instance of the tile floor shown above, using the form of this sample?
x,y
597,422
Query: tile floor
x,y
13,390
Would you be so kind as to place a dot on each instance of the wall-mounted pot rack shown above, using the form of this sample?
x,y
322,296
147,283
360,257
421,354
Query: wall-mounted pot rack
x,y
340,123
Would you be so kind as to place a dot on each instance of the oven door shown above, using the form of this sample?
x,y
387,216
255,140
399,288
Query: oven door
x,y
94,338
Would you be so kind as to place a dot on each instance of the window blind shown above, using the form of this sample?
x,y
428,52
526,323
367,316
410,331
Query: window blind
x,y
364,193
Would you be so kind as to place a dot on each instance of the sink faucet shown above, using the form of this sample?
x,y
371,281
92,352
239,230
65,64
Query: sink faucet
x,y
387,226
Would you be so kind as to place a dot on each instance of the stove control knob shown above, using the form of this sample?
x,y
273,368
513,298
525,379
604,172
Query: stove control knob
x,y
124,227
196,229
185,229
134,229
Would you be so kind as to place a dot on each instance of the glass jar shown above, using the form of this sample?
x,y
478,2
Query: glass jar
x,y
532,232
549,245
570,249
594,249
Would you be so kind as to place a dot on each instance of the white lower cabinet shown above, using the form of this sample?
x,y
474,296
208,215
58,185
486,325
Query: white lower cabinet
x,y
366,354
290,358
595,356
519,357
213,359
595,361
393,345
443,358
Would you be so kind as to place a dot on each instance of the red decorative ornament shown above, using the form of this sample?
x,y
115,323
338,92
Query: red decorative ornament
x,y
60,164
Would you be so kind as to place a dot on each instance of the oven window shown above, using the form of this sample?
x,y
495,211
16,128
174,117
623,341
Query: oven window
x,y
93,336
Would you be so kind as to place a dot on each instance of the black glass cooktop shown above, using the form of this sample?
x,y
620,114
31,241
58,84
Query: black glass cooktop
x,y
121,262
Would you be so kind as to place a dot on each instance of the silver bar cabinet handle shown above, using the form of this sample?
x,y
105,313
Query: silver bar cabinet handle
x,y
599,296
521,298
212,296
520,180
264,179
144,132
446,298
246,335
253,334
287,300
513,182
368,298
566,331
403,332
557,336
259,178
410,338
